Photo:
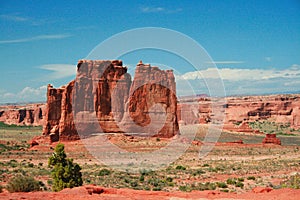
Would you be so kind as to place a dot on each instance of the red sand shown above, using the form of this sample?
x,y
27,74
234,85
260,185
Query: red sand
x,y
94,192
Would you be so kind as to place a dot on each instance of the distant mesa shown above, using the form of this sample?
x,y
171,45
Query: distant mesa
x,y
23,115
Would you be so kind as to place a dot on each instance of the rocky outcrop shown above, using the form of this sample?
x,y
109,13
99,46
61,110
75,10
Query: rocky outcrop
x,y
59,123
104,99
277,108
152,106
29,115
271,139
239,111
101,91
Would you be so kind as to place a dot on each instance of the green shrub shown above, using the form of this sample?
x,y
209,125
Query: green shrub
x,y
241,179
206,186
239,184
225,190
231,181
169,179
157,189
134,184
12,163
142,178
221,185
30,165
22,183
198,172
65,173
185,188
292,182
104,172
250,178
179,167
145,172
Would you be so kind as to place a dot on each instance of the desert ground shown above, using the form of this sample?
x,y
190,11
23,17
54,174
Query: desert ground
x,y
251,170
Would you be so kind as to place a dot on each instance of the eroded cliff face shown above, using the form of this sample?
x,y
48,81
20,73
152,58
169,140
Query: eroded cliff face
x,y
30,115
104,99
101,91
240,110
152,105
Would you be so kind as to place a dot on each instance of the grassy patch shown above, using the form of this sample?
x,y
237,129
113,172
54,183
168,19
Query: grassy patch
x,y
273,128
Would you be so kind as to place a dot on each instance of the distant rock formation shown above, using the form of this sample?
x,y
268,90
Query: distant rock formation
x,y
29,115
104,91
241,110
271,139
146,104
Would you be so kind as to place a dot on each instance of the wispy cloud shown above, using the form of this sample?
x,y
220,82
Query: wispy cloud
x,y
225,62
18,18
152,9
268,59
27,94
13,17
79,28
36,38
243,74
59,70
241,81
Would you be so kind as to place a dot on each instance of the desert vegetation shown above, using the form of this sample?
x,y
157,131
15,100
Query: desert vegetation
x,y
273,127
227,168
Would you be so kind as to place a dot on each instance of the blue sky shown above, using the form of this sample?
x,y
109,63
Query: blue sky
x,y
255,44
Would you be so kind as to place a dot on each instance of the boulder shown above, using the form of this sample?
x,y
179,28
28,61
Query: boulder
x,y
271,139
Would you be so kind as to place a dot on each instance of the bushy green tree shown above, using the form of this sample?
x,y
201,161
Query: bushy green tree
x,y
65,173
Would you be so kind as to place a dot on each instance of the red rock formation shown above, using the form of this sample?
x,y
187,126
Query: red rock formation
x,y
31,114
102,88
153,103
100,96
236,142
241,110
53,112
271,139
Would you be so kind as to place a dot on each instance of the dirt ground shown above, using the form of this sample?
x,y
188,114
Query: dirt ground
x,y
269,166
95,193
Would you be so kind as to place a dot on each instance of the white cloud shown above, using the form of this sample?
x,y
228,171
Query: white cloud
x,y
13,17
225,62
232,74
36,38
150,9
27,94
240,81
268,59
59,70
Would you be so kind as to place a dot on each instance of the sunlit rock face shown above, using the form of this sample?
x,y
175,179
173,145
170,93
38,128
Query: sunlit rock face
x,y
103,98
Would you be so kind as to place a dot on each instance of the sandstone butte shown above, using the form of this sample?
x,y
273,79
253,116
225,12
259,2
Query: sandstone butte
x,y
105,99
129,106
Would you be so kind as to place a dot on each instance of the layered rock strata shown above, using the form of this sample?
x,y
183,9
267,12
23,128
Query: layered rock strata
x,y
104,99
239,111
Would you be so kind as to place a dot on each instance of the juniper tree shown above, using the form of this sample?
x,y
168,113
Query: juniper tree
x,y
65,173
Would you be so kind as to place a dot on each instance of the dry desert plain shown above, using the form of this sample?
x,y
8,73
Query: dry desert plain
x,y
251,170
